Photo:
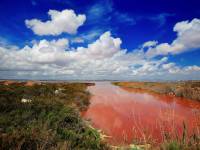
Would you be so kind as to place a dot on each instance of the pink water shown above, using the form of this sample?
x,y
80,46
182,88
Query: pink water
x,y
126,115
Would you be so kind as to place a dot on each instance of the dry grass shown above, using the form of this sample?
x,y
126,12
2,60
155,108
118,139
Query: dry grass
x,y
186,89
172,139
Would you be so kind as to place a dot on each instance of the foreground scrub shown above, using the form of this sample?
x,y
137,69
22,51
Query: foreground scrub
x,y
45,116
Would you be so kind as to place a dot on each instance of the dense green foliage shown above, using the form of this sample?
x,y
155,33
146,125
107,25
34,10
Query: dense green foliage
x,y
49,120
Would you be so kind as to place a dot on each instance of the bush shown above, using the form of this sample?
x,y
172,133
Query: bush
x,y
48,121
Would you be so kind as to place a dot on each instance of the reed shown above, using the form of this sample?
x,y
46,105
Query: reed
x,y
172,138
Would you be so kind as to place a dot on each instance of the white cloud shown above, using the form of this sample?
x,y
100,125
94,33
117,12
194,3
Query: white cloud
x,y
150,44
77,40
91,35
106,46
188,38
102,59
65,21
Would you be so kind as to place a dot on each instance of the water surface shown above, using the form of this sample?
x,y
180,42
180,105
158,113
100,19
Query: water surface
x,y
126,115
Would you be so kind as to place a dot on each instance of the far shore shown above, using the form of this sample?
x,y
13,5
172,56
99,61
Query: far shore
x,y
185,89
189,89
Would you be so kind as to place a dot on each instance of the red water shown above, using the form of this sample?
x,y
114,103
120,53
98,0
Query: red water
x,y
128,115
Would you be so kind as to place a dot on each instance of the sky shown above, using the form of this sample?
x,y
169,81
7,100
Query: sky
x,y
100,39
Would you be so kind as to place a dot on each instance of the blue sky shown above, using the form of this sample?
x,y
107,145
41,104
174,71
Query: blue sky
x,y
133,22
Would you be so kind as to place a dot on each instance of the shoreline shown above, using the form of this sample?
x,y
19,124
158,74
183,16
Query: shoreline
x,y
184,89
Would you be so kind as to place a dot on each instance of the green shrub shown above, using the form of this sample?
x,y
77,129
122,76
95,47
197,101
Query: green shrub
x,y
49,121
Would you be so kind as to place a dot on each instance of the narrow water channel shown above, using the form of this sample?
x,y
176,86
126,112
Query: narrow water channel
x,y
126,115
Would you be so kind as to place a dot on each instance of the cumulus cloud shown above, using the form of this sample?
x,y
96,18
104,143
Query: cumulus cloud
x,y
150,44
104,47
188,38
65,21
77,40
102,59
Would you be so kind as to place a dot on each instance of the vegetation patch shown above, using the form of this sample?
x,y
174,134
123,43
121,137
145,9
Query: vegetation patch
x,y
186,89
37,117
